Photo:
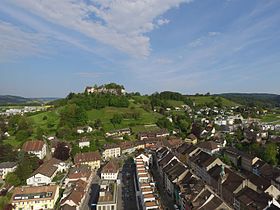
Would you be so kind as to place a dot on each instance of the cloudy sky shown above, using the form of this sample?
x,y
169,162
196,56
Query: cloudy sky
x,y
51,47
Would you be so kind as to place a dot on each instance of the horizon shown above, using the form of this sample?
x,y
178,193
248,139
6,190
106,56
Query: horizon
x,y
50,48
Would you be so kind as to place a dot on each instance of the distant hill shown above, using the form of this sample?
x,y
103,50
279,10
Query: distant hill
x,y
254,99
8,99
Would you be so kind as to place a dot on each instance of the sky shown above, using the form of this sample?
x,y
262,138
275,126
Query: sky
x,y
49,48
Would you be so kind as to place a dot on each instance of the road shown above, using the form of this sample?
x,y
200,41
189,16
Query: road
x,y
127,185
92,194
165,199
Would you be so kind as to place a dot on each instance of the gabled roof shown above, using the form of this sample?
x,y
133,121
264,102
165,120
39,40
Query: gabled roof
x,y
33,146
166,159
111,167
48,168
82,171
203,159
87,157
7,165
77,193
208,145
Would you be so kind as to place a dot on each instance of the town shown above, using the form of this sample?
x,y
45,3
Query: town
x,y
187,154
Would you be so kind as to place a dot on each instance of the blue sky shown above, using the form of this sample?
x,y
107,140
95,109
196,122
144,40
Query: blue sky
x,y
50,47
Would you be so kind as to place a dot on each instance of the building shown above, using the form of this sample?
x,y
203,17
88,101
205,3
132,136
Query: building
x,y
108,198
111,151
110,171
191,139
153,134
209,147
82,172
75,195
38,148
84,142
127,147
46,172
91,159
40,197
7,167
119,133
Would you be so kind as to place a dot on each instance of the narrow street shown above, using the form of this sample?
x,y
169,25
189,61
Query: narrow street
x,y
92,194
165,199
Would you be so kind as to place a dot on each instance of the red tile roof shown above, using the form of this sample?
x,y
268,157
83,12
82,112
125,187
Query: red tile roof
x,y
33,146
87,157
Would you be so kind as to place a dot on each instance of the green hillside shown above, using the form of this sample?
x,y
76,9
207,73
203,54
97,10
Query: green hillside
x,y
204,100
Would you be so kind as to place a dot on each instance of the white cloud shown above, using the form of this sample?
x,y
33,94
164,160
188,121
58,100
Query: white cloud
x,y
214,33
16,43
122,24
196,43
161,22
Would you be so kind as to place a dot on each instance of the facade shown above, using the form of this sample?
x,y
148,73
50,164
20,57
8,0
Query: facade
x,y
84,142
91,159
38,148
46,172
7,167
110,171
111,151
108,198
36,198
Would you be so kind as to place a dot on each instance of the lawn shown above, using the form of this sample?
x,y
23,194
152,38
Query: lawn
x,y
142,128
47,121
175,103
106,114
202,100
270,118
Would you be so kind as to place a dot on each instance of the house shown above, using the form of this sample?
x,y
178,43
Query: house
x,y
84,142
226,182
111,151
191,139
108,198
209,147
127,147
153,134
82,172
46,172
234,155
86,129
37,147
75,196
7,167
110,171
91,159
118,133
247,161
39,197
201,163
250,199
146,158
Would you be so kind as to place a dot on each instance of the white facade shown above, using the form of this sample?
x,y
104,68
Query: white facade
x,y
5,171
111,153
39,179
109,176
40,154
83,144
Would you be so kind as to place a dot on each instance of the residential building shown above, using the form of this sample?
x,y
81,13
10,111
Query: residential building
x,y
110,171
75,195
82,172
7,167
37,147
209,147
111,151
91,159
84,142
39,197
119,133
46,172
191,139
127,147
108,198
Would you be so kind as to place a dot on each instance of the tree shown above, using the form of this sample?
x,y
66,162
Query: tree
x,y
117,119
12,179
62,151
39,133
22,135
270,154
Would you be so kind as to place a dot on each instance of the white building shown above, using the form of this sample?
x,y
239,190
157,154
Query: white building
x,y
110,171
46,172
111,151
84,142
108,198
38,148
7,167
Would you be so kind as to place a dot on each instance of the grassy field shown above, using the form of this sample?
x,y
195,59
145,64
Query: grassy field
x,y
175,103
271,118
202,100
47,120
106,114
